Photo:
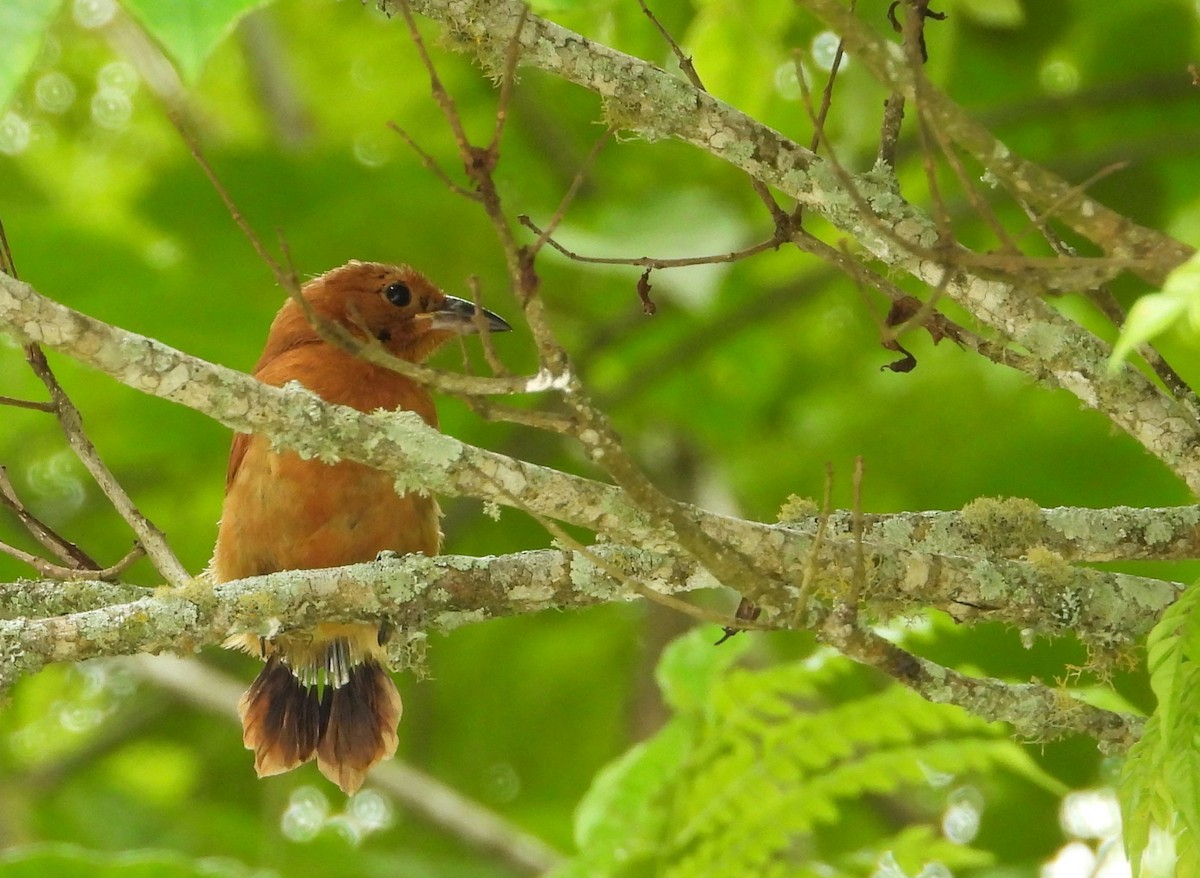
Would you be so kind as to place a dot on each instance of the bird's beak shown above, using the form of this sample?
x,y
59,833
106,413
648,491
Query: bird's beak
x,y
458,316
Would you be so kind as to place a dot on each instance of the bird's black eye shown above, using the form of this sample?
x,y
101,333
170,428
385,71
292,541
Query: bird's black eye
x,y
398,294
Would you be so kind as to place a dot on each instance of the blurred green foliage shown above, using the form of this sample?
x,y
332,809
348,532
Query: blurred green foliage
x,y
749,378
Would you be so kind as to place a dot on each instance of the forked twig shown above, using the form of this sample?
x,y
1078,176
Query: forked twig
x,y
65,550
67,574
149,537
431,164
27,404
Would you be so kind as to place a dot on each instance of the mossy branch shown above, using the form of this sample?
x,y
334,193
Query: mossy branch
x,y
416,594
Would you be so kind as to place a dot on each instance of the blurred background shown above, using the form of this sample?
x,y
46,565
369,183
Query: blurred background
x,y
748,379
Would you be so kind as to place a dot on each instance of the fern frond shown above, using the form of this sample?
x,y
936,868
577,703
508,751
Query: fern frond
x,y
1160,783
757,763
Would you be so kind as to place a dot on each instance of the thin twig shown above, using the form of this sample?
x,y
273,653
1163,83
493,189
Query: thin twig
x,y
572,190
27,404
889,130
827,92
65,550
71,421
812,566
858,583
431,164
649,261
982,209
778,215
444,101
511,55
483,328
67,574
551,422
1072,193
282,277
151,539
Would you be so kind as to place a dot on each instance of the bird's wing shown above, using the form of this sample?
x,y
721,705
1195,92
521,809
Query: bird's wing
x,y
241,442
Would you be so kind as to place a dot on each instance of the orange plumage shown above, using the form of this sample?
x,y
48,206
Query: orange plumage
x,y
326,693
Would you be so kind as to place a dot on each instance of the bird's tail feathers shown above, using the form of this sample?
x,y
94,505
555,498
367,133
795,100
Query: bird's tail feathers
x,y
361,730
347,722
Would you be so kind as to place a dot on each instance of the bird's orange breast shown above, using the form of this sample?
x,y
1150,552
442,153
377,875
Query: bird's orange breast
x,y
286,513
282,512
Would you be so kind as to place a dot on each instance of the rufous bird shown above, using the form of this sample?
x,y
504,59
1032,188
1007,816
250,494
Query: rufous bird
x,y
326,693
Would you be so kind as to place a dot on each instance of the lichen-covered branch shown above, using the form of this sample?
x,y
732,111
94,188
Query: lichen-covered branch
x,y
1035,711
415,592
1011,527
1045,596
643,98
418,593
39,599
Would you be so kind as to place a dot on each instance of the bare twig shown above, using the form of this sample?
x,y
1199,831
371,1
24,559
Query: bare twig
x,y
982,209
483,328
65,550
149,536
654,262
889,130
27,404
281,275
551,422
778,215
431,164
572,190
811,567
827,92
507,82
858,582
68,574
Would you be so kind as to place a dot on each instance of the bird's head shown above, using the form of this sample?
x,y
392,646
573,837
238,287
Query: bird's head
x,y
396,305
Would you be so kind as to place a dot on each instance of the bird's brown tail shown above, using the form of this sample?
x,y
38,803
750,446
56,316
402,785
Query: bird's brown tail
x,y
347,728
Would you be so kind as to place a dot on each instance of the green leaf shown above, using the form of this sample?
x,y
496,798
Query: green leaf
x,y
617,808
1155,313
69,861
189,30
1160,782
24,24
